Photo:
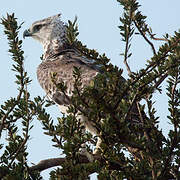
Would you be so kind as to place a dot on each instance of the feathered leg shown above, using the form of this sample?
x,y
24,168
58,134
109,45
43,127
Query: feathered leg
x,y
89,127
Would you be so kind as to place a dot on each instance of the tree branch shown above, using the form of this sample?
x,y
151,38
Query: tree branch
x,y
126,56
49,163
53,162
143,35
155,38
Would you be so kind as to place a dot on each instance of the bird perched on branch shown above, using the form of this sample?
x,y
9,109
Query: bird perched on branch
x,y
60,58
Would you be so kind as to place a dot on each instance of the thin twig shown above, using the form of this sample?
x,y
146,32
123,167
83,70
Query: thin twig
x,y
160,80
131,105
149,139
127,49
159,39
144,36
28,120
126,57
142,121
156,39
127,67
22,144
11,109
174,141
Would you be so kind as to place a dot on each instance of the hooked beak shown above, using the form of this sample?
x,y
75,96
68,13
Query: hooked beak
x,y
26,33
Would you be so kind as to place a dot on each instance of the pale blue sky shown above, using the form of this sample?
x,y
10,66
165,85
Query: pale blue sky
x,y
98,21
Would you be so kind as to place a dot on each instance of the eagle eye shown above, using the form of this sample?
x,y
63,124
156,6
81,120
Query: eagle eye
x,y
36,28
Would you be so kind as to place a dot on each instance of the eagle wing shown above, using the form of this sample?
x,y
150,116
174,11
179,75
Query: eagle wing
x,y
63,66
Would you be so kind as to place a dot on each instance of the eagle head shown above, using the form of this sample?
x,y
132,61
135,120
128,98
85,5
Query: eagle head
x,y
50,32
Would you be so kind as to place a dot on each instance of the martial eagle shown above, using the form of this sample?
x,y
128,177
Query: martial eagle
x,y
58,57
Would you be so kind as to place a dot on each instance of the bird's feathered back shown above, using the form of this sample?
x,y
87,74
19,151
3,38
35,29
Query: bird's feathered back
x,y
63,66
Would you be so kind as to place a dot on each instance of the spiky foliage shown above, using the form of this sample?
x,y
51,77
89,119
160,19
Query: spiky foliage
x,y
17,110
107,102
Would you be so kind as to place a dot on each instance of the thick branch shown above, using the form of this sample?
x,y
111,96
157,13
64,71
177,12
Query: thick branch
x,y
49,163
